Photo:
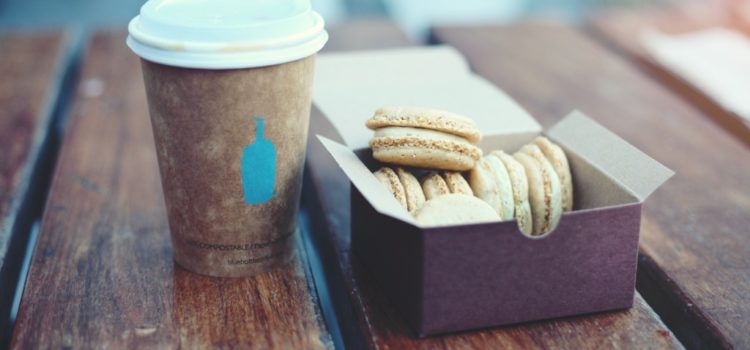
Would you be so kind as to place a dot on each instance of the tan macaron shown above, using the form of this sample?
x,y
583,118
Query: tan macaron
x,y
559,161
457,183
520,188
483,183
424,138
544,190
433,185
426,118
455,209
413,190
504,186
390,179
552,185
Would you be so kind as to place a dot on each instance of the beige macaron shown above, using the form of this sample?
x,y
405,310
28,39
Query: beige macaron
x,y
390,179
423,148
456,183
412,189
504,186
426,118
483,183
544,189
520,188
433,185
455,209
559,161
552,187
425,138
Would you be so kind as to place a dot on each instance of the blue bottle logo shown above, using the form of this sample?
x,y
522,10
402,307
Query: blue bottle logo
x,y
259,167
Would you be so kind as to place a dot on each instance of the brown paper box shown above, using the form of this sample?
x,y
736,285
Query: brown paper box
x,y
445,279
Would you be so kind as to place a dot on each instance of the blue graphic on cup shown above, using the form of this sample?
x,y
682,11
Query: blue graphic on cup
x,y
259,167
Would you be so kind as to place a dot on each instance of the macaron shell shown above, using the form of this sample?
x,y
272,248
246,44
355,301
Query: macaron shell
x,y
455,209
524,218
520,187
484,184
539,210
552,187
426,118
404,131
504,186
425,152
517,175
434,186
559,161
457,183
389,178
413,190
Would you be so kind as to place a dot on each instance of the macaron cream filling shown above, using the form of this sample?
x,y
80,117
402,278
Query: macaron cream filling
x,y
424,139
404,131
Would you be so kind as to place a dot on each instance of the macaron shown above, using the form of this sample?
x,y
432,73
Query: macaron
x,y
455,209
504,186
456,183
483,183
559,161
412,189
424,138
520,190
390,179
426,118
551,187
544,190
433,185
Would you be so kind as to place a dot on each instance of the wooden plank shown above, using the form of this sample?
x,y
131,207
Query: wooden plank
x,y
620,31
102,274
694,269
369,321
32,67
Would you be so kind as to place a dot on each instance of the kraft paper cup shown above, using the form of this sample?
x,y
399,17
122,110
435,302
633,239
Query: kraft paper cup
x,y
229,91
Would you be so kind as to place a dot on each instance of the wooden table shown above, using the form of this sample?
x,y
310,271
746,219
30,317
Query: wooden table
x,y
30,89
101,272
620,29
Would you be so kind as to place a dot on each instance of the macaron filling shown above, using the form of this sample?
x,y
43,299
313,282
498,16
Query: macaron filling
x,y
462,148
403,131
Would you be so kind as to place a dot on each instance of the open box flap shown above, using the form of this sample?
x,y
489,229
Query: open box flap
x,y
369,65
349,87
632,169
379,197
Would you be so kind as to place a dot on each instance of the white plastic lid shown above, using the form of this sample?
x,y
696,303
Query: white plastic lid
x,y
224,34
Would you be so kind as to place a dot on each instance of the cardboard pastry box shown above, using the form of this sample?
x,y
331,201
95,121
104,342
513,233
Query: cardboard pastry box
x,y
445,279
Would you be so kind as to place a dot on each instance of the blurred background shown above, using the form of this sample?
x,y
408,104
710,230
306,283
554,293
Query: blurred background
x,y
414,16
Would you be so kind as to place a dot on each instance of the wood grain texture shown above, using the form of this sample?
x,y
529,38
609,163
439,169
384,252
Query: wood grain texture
x,y
30,67
694,238
102,274
620,31
375,323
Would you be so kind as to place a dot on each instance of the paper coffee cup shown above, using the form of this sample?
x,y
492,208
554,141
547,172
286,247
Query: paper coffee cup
x,y
229,91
